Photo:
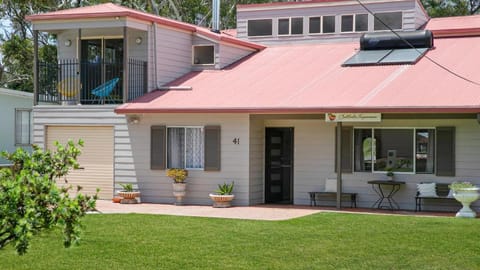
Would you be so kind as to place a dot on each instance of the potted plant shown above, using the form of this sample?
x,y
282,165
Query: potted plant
x,y
223,196
390,173
128,194
465,193
179,185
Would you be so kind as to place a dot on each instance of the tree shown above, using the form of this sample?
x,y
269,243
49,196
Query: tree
x,y
445,8
31,201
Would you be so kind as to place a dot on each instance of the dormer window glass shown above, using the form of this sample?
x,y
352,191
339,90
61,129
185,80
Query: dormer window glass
x,y
290,26
361,22
203,55
391,19
328,24
262,27
315,25
347,23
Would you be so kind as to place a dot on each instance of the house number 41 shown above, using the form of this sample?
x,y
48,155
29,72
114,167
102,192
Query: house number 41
x,y
236,141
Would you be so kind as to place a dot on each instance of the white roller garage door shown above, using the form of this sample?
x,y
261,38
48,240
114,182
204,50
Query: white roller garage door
x,y
96,158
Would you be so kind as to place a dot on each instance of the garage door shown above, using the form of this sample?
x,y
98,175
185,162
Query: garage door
x,y
96,159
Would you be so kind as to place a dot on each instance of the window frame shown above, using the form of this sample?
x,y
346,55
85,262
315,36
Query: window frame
x,y
334,24
203,45
290,25
260,19
320,25
353,23
393,11
18,110
414,150
185,148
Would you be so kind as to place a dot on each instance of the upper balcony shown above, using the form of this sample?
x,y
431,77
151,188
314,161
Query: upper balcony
x,y
101,81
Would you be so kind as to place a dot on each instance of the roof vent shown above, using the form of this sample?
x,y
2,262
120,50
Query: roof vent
x,y
389,40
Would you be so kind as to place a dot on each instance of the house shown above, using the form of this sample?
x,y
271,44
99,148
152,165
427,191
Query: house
x,y
16,110
267,108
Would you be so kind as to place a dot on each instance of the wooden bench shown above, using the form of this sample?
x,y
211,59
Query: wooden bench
x,y
316,194
442,191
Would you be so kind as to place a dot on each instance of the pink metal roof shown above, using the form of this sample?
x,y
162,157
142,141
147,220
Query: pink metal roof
x,y
455,26
309,78
110,10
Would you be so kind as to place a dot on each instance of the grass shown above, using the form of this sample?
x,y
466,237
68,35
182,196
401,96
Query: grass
x,y
321,241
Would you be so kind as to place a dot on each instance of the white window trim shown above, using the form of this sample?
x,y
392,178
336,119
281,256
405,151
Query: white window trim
x,y
203,45
414,163
185,150
260,19
30,129
321,24
386,30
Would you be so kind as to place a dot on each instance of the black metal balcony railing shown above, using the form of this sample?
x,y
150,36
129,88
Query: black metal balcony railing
x,y
72,82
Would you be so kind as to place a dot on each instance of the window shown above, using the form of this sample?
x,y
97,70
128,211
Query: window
x,y
391,19
328,24
361,22
185,147
23,127
290,26
259,27
314,25
404,150
347,23
204,55
283,26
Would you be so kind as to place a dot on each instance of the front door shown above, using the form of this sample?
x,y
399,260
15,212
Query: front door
x,y
279,165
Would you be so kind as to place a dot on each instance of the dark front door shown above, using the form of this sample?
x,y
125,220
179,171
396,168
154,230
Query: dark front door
x,y
279,165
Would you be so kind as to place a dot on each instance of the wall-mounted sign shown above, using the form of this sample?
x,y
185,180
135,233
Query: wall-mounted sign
x,y
353,117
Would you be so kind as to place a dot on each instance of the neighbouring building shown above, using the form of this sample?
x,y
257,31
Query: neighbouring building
x,y
262,107
16,111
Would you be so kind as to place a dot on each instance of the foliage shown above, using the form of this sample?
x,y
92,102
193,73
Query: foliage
x,y
390,172
127,187
320,241
225,189
178,175
444,8
460,185
31,201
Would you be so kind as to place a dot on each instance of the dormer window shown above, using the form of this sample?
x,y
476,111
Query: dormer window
x,y
391,19
347,23
359,22
290,26
203,55
258,28
328,24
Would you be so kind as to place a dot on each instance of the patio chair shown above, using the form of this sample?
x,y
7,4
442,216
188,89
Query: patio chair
x,y
104,91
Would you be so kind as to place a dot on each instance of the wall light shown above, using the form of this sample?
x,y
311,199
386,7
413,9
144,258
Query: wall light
x,y
68,43
138,40
133,119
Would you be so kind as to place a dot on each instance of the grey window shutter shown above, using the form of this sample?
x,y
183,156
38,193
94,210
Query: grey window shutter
x,y
445,151
157,148
212,148
347,150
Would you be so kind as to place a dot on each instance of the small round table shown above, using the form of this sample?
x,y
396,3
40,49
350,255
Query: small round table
x,y
385,191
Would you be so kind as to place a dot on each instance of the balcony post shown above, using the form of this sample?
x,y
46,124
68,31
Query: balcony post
x,y
35,67
125,64
79,68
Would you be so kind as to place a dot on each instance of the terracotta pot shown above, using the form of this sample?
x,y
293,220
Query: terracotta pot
x,y
129,195
222,201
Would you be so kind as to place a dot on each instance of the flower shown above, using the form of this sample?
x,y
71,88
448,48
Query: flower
x,y
178,175
460,185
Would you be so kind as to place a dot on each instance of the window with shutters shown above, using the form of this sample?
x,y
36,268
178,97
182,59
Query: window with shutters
x,y
185,147
23,127
405,150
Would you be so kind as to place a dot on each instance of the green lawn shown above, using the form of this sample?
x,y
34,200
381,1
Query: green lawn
x,y
321,241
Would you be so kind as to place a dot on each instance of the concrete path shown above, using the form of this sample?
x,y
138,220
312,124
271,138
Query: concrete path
x,y
238,212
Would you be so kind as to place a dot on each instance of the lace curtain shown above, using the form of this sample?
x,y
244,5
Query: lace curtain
x,y
185,148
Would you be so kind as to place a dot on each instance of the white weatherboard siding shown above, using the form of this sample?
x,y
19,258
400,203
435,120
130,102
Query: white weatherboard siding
x,y
90,116
257,161
231,54
96,159
156,186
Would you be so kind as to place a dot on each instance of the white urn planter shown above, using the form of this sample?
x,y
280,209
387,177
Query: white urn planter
x,y
179,190
222,201
466,196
